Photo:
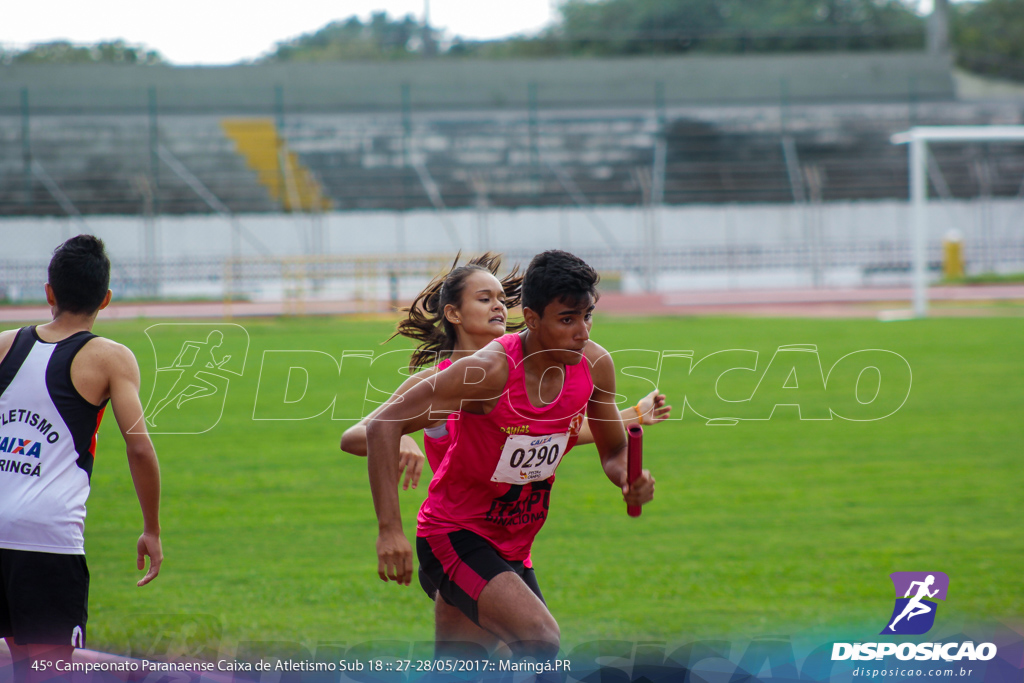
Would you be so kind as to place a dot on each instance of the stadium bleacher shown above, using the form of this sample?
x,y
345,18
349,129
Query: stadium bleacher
x,y
516,134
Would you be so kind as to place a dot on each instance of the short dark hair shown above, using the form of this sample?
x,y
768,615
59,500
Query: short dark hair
x,y
558,275
79,274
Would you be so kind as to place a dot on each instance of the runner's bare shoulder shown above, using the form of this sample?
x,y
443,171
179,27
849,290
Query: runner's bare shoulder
x,y
488,366
115,355
6,341
100,362
595,353
602,368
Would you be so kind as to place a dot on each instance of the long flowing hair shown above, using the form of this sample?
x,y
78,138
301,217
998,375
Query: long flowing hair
x,y
425,321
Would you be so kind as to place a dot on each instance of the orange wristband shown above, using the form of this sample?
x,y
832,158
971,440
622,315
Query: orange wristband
x,y
639,415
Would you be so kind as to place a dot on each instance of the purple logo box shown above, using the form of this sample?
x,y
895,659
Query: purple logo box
x,y
901,582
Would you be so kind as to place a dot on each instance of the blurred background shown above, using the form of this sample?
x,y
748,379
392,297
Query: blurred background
x,y
683,145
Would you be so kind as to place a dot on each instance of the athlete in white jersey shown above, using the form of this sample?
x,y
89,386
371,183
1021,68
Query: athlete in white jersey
x,y
55,382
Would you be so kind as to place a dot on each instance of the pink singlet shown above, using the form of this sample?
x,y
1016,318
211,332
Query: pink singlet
x,y
437,439
495,480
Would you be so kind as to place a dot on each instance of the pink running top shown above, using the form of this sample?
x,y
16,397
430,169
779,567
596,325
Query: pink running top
x,y
496,477
437,439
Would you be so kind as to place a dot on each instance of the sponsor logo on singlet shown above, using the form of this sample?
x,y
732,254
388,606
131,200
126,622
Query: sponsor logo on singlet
x,y
32,419
577,424
16,446
28,451
529,505
518,429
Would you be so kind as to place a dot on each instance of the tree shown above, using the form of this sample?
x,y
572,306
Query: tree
x,y
667,26
380,38
64,52
989,37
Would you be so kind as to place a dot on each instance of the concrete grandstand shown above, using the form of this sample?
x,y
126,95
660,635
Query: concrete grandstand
x,y
269,182
104,140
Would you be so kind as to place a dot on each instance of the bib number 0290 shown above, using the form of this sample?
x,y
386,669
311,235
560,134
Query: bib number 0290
x,y
535,457
525,458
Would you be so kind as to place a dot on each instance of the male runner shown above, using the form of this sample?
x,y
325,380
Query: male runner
x,y
521,401
55,381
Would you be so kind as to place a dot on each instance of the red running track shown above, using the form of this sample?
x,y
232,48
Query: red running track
x,y
891,303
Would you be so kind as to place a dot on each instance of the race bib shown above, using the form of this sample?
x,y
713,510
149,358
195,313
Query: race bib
x,y
526,458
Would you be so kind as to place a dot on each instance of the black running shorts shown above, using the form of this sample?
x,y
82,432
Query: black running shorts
x,y
458,565
44,597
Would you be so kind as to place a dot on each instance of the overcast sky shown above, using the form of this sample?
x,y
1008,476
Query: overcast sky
x,y
228,31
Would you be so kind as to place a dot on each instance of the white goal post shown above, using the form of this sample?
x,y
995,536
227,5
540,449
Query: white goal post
x,y
918,139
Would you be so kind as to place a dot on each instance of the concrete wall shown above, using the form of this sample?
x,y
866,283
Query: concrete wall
x,y
460,84
838,226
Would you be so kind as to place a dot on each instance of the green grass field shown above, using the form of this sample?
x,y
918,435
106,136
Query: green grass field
x,y
765,527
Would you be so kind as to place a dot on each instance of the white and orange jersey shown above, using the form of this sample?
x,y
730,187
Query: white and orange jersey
x,y
47,446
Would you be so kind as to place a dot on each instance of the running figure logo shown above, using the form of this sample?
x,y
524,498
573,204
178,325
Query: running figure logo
x,y
914,612
194,364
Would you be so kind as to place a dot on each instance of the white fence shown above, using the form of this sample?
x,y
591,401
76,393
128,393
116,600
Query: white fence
x,y
848,244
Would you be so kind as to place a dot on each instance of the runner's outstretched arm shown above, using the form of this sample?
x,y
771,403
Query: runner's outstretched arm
x,y
353,440
468,383
652,407
609,434
142,461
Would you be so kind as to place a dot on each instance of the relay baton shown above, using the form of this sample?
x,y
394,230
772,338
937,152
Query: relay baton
x,y
635,462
